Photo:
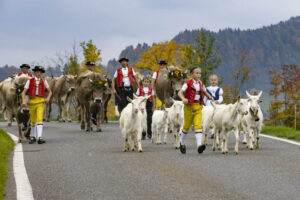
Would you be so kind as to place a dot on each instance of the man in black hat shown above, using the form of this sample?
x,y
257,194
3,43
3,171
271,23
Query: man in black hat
x,y
35,89
124,77
162,65
24,70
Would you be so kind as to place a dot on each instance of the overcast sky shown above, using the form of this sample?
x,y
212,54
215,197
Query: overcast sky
x,y
37,30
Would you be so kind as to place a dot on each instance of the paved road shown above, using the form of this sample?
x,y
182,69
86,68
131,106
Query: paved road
x,y
76,165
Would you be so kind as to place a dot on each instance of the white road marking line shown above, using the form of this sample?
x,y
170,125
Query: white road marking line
x,y
23,187
281,139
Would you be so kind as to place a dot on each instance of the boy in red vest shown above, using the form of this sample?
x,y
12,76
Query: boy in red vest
x,y
24,69
145,91
125,77
193,100
36,91
162,64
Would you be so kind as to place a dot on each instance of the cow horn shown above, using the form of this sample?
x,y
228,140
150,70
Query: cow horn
x,y
90,80
248,94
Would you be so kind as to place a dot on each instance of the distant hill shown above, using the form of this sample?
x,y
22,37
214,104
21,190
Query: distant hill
x,y
269,46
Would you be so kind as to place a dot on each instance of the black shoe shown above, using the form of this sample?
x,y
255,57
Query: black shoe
x,y
201,148
143,137
182,148
149,136
94,121
32,140
212,136
41,141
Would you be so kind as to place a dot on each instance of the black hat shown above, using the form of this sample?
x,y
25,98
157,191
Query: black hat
x,y
123,59
162,62
90,63
39,68
25,65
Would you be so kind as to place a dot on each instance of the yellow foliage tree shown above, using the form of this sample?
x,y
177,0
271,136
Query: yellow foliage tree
x,y
91,54
168,51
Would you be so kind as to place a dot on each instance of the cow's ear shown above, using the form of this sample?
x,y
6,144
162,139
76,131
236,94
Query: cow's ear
x,y
130,100
134,96
12,89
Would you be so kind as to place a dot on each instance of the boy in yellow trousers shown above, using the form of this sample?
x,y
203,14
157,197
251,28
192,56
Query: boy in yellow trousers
x,y
193,99
36,91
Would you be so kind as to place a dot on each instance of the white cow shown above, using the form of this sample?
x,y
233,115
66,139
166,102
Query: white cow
x,y
207,122
159,125
175,120
226,118
253,122
131,123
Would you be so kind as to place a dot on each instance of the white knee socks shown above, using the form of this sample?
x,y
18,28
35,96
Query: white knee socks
x,y
33,131
198,138
183,137
39,130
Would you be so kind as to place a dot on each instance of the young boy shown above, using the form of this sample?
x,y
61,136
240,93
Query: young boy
x,y
216,92
146,91
36,91
193,100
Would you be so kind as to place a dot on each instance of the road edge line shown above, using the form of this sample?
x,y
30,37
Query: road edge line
x,y
23,186
280,139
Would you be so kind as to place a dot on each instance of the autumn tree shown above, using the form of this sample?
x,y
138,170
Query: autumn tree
x,y
91,54
168,51
201,54
73,66
241,72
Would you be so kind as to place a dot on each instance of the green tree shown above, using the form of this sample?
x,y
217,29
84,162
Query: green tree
x,y
201,54
91,54
73,66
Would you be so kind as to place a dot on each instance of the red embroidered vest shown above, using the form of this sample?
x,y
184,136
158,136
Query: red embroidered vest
x,y
157,75
190,92
142,93
32,88
29,74
120,76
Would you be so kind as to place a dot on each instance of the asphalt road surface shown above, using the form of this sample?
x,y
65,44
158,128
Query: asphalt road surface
x,y
76,165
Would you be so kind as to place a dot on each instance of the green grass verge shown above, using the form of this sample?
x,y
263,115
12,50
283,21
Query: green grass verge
x,y
282,131
6,146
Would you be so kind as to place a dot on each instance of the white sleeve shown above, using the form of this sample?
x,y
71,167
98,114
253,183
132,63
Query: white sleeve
x,y
27,85
154,75
116,74
138,92
184,87
133,72
46,84
220,100
152,93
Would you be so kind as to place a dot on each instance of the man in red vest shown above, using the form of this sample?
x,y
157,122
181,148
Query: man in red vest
x,y
124,77
24,69
35,87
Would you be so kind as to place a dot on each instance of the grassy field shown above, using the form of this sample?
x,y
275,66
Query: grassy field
x,y
6,146
282,131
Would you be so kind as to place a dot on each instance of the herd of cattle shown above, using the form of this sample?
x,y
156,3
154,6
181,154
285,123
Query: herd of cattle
x,y
222,119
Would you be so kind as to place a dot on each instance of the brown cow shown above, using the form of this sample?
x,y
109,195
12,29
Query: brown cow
x,y
88,95
167,89
63,88
11,93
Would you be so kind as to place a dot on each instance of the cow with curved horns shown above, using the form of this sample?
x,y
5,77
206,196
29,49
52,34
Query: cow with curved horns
x,y
11,90
168,83
91,90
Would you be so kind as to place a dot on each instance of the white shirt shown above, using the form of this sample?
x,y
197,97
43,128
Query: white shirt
x,y
154,76
126,79
146,90
37,81
213,90
197,87
22,74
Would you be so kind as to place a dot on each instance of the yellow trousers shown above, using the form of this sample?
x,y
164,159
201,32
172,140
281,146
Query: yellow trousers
x,y
158,103
192,114
36,110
